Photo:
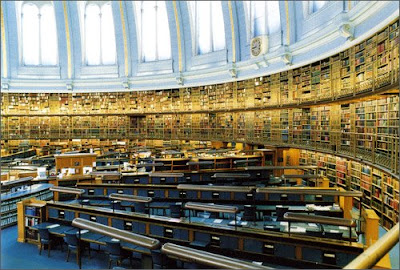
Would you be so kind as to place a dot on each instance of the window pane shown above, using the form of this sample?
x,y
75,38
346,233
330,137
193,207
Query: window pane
x,y
218,30
274,18
163,35
259,23
149,31
92,35
317,5
247,5
203,25
107,36
48,36
30,35
138,20
81,8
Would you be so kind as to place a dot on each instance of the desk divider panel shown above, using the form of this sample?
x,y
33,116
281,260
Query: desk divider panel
x,y
294,197
207,195
170,180
53,213
128,191
284,251
159,193
85,216
69,215
342,259
205,177
142,192
180,180
98,191
228,242
253,245
190,194
196,177
129,180
144,180
225,195
156,230
138,227
200,236
240,196
118,223
157,180
274,197
181,234
173,193
312,254
111,190
102,220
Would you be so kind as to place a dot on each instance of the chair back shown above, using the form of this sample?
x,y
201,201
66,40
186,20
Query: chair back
x,y
44,234
116,205
158,258
113,247
175,210
140,207
202,236
280,211
249,212
71,239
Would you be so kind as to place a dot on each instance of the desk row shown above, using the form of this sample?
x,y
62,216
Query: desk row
x,y
243,241
172,192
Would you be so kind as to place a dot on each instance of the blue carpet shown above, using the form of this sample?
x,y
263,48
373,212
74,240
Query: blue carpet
x,y
15,255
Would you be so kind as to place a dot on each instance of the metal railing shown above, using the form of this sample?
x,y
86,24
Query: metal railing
x,y
376,251
379,149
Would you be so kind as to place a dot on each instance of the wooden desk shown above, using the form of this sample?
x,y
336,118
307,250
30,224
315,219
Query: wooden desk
x,y
247,242
59,230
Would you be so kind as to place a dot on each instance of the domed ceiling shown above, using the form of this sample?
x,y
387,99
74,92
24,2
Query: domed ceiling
x,y
81,46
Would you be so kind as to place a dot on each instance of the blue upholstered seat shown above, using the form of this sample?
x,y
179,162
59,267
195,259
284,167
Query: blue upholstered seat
x,y
72,241
116,253
45,239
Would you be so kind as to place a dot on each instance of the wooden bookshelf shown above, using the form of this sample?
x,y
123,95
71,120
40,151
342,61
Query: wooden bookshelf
x,y
363,129
380,190
30,212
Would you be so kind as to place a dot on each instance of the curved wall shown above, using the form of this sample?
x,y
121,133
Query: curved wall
x,y
345,104
303,39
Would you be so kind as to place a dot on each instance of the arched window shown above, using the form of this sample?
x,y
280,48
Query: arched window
x,y
153,30
208,25
97,33
263,17
314,6
38,33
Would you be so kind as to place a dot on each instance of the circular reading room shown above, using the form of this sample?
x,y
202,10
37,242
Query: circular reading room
x,y
200,135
